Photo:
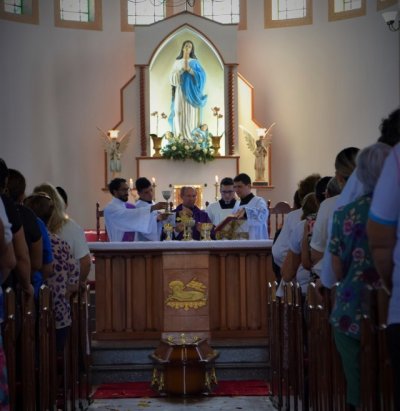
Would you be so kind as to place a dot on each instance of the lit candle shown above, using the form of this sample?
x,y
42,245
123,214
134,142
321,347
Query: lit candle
x,y
153,180
216,179
261,132
113,133
131,184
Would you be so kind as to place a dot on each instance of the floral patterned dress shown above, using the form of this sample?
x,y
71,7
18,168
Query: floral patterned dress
x,y
66,271
350,243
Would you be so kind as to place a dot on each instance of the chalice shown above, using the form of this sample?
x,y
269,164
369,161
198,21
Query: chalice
x,y
168,229
167,195
205,231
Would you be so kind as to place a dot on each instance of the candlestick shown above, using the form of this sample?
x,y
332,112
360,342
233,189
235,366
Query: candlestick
x,y
216,185
216,179
154,188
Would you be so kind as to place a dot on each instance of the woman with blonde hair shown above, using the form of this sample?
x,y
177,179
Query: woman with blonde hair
x,y
68,230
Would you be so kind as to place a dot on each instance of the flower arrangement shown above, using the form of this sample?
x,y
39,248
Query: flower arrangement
x,y
156,115
217,114
178,148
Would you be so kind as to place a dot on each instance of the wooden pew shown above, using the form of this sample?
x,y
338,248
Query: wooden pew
x,y
288,361
84,349
384,368
44,348
275,339
27,355
10,344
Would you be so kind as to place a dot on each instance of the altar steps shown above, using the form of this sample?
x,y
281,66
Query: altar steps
x,y
129,361
125,361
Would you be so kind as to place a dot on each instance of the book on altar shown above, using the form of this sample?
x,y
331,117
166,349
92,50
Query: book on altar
x,y
229,228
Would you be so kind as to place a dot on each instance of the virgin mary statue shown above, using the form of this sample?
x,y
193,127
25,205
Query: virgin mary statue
x,y
187,79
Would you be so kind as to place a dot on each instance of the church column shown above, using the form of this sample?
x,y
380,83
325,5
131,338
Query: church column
x,y
231,108
143,92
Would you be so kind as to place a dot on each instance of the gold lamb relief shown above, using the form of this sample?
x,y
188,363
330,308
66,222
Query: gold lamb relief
x,y
191,295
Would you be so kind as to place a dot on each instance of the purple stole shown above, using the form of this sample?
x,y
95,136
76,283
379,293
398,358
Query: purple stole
x,y
129,235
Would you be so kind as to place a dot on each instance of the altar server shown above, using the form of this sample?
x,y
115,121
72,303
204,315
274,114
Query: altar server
x,y
145,192
123,219
226,206
252,208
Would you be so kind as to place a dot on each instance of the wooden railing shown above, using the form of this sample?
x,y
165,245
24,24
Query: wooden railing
x,y
32,363
306,369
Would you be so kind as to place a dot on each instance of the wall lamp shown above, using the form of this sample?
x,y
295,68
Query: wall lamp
x,y
391,19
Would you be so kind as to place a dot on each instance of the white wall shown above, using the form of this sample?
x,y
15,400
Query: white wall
x,y
327,86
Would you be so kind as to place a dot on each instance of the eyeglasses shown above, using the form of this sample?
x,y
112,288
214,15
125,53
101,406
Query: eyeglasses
x,y
227,192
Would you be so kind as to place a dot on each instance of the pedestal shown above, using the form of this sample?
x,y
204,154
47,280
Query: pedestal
x,y
184,366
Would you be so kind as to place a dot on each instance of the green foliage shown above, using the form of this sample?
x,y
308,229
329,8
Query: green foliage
x,y
178,148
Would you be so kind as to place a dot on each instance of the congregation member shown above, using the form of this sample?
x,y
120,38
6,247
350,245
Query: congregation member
x,y
390,135
63,195
384,239
145,192
292,266
188,208
354,268
297,263
21,273
227,205
64,278
345,163
122,219
252,209
7,263
322,192
281,246
68,230
36,234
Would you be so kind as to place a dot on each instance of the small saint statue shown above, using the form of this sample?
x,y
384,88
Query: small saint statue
x,y
114,146
260,150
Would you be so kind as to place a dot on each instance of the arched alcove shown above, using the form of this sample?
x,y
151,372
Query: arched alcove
x,y
159,79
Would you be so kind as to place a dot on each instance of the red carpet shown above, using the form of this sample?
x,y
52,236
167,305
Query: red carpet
x,y
143,389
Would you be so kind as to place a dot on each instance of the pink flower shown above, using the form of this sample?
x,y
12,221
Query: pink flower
x,y
358,254
347,227
354,328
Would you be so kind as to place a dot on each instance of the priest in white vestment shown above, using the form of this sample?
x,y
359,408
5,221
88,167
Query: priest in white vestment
x,y
145,192
226,206
123,220
252,208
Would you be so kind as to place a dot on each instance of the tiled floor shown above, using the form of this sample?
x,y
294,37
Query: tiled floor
x,y
186,404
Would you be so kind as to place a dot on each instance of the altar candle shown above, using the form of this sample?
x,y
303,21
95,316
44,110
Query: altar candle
x,y
153,180
131,184
216,179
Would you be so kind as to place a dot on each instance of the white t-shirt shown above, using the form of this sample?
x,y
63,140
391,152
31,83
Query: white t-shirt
x,y
385,210
282,243
73,234
302,275
319,236
6,223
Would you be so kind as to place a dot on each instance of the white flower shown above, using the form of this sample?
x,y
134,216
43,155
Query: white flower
x,y
173,148
187,147
197,147
204,150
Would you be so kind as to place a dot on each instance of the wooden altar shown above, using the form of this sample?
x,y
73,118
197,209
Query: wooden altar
x,y
212,288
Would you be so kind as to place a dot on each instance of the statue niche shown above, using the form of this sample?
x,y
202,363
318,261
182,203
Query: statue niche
x,y
185,76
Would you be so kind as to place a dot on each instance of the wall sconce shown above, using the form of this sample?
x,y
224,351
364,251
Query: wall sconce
x,y
390,18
